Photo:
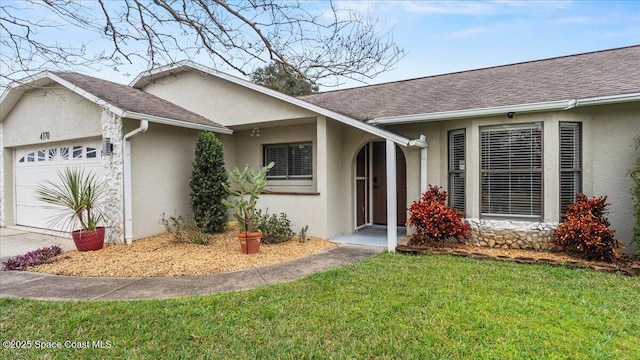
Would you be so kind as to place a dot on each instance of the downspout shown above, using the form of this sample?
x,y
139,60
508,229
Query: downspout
x,y
422,143
126,161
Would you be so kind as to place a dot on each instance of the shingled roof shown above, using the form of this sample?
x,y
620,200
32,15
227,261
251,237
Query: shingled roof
x,y
601,73
125,100
134,100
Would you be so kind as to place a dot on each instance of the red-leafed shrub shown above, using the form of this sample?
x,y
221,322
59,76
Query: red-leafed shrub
x,y
434,220
586,228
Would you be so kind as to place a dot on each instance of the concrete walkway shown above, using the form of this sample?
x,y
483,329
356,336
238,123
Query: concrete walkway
x,y
54,287
16,241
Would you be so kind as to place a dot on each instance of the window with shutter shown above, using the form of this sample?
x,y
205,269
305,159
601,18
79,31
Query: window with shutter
x,y
570,163
292,161
457,169
511,170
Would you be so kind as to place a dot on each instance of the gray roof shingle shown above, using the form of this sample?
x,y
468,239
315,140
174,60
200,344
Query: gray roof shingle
x,y
601,73
133,100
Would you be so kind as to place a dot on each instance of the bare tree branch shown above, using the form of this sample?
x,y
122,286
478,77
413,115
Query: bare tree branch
x,y
316,40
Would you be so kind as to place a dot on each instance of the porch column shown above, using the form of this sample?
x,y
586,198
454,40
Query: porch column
x,y
392,202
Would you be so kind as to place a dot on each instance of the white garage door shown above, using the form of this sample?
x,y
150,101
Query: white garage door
x,y
34,165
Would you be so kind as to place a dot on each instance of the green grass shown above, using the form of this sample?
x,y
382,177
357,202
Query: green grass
x,y
389,306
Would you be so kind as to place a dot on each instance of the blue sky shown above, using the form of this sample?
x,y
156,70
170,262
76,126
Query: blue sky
x,y
444,37
448,36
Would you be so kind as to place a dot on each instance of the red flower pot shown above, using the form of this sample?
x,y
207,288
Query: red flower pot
x,y
250,242
88,240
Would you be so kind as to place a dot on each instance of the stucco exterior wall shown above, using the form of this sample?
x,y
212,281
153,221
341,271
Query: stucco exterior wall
x,y
248,151
335,193
608,153
61,113
222,101
55,110
299,199
301,210
160,169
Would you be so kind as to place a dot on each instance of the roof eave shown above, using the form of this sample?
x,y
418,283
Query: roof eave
x,y
174,122
560,105
472,113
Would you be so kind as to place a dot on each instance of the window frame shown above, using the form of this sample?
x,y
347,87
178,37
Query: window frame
x,y
509,127
287,176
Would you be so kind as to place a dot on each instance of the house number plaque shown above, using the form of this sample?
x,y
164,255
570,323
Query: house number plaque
x,y
45,135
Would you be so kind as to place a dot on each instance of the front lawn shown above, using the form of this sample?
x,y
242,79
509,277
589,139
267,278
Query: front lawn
x,y
389,306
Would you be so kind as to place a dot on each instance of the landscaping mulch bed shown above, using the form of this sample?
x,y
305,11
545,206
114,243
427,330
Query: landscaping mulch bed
x,y
161,256
628,264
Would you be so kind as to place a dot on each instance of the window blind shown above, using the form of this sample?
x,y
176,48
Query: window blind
x,y
457,169
292,161
570,163
511,170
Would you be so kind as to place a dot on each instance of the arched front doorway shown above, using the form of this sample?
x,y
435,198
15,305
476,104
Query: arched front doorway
x,y
371,185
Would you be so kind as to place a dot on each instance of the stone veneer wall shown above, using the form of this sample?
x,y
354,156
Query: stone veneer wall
x,y
507,234
113,174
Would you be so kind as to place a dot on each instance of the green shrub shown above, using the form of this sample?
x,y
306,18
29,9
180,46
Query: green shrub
x,y
586,228
635,192
434,220
302,236
183,230
206,181
275,229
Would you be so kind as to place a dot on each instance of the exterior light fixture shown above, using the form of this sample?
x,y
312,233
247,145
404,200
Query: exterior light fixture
x,y
107,146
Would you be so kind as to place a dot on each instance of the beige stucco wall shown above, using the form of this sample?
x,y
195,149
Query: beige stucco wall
x,y
299,199
335,194
56,110
248,151
65,115
608,153
222,101
160,169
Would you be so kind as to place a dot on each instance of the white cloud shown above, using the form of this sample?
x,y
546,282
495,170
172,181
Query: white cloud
x,y
469,32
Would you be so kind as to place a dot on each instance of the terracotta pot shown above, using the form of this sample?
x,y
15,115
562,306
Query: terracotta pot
x,y
250,242
88,240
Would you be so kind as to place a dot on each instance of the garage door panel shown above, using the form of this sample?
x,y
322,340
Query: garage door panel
x,y
35,165
40,217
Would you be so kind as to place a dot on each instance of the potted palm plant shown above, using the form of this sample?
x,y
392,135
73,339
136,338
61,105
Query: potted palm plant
x,y
250,184
78,195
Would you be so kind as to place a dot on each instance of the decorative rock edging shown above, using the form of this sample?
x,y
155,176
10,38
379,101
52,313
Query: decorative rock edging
x,y
510,234
611,268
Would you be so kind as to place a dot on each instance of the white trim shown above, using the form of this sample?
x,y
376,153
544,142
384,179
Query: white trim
x,y
612,99
459,114
179,123
392,198
560,105
144,78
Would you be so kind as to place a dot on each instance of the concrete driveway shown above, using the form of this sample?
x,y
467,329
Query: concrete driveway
x,y
16,241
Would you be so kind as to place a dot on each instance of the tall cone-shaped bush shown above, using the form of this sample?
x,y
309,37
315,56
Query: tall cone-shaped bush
x,y
207,191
